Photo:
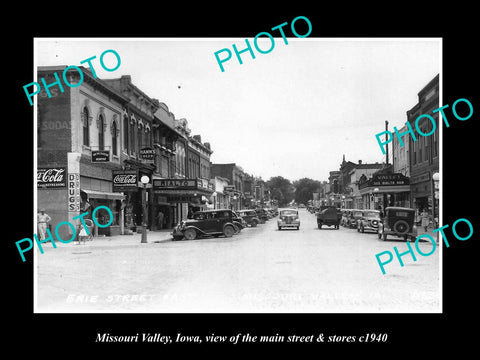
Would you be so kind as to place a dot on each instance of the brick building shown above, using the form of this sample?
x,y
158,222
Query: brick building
x,y
73,127
424,153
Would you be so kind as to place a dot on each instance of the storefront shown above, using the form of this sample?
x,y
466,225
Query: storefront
x,y
178,198
384,190
136,195
423,194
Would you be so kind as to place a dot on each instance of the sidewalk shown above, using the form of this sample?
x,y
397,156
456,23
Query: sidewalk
x,y
134,239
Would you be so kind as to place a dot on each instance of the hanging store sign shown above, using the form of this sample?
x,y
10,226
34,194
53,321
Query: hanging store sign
x,y
54,177
100,156
147,155
176,184
125,180
395,179
390,179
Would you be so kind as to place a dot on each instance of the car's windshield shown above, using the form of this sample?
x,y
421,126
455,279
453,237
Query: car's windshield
x,y
357,213
288,212
372,214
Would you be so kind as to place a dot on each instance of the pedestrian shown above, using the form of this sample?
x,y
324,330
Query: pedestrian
x,y
160,217
425,219
42,220
85,207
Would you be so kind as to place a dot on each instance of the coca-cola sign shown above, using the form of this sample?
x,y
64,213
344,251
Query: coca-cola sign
x,y
54,177
124,180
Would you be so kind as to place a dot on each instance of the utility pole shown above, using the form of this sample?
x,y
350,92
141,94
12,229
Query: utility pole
x,y
386,129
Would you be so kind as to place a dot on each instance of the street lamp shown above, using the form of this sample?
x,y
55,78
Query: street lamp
x,y
145,180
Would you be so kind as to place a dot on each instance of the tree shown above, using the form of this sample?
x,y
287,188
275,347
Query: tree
x,y
304,189
281,189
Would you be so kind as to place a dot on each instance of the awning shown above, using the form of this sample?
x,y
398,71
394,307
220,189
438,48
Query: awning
x,y
92,194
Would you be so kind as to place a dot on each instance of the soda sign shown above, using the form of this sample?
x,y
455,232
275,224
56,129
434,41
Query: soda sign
x,y
54,177
125,180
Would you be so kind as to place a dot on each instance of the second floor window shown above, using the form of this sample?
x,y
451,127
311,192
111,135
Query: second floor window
x,y
125,133
101,133
114,138
86,127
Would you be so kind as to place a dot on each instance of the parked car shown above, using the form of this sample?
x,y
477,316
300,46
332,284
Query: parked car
x,y
329,216
369,221
238,221
204,223
353,217
262,215
398,221
250,217
288,218
345,217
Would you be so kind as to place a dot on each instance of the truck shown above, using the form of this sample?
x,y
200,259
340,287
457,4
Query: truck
x,y
329,216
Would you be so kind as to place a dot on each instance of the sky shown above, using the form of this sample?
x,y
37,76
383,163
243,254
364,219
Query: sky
x,y
292,112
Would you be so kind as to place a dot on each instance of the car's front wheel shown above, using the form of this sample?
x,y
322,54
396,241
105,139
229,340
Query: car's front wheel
x,y
190,234
254,223
228,231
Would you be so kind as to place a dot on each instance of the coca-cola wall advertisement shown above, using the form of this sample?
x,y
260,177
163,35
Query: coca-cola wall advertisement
x,y
124,180
54,177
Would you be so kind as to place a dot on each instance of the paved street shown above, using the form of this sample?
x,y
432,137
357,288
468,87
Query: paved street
x,y
260,270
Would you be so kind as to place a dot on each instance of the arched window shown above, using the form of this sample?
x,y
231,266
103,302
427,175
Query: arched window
x,y
140,136
114,138
147,137
86,127
132,137
101,133
125,133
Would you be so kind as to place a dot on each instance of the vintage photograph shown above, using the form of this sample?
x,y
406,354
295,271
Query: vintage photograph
x,y
209,175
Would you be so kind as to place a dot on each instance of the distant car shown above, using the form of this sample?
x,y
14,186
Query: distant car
x,y
204,223
398,221
369,221
250,217
329,216
288,218
301,206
